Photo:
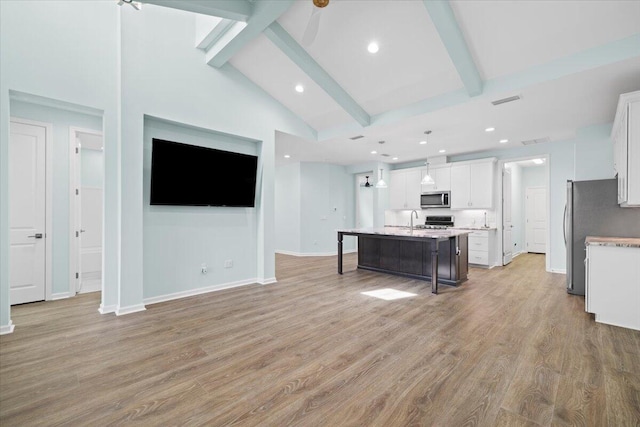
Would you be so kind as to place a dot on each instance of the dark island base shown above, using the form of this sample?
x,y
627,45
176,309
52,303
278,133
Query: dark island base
x,y
411,258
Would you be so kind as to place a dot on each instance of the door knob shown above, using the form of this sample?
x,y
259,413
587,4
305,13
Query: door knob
x,y
82,231
36,236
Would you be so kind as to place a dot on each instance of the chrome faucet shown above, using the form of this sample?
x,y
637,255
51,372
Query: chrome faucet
x,y
411,216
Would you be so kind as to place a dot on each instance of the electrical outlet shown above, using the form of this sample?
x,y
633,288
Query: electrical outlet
x,y
228,263
203,268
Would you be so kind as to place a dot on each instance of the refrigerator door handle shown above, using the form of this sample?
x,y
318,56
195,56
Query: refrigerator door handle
x,y
564,225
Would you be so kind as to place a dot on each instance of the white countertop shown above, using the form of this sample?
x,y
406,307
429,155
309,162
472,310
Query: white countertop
x,y
473,227
406,232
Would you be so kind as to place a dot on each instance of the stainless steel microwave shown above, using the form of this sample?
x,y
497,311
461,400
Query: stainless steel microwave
x,y
435,199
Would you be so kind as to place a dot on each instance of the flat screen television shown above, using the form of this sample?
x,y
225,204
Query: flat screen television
x,y
189,175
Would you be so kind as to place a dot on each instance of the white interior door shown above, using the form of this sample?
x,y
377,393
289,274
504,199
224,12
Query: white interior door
x,y
536,215
507,225
89,177
27,212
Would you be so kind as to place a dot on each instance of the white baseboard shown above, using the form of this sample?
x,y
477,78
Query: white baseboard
x,y
558,270
300,254
516,254
121,311
267,281
61,295
7,329
198,291
106,309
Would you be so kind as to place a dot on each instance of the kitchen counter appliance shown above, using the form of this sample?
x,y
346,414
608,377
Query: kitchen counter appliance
x,y
438,222
592,210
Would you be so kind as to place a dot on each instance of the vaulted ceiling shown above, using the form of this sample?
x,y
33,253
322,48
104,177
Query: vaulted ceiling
x,y
439,66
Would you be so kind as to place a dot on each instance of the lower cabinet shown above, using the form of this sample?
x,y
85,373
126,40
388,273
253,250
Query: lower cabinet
x,y
612,287
481,243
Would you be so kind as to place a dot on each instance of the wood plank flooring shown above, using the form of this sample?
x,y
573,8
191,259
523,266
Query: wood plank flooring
x,y
509,347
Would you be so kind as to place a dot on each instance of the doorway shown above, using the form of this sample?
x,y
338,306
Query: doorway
x,y
29,211
524,223
86,208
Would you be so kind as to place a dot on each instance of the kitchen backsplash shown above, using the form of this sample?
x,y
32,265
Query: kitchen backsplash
x,y
462,218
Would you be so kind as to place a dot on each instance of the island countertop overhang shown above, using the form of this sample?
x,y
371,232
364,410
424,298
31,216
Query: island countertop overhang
x,y
405,232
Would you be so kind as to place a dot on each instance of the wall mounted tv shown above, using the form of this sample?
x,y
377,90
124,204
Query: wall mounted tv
x,y
189,175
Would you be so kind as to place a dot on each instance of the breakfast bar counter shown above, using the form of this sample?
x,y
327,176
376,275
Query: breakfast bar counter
x,y
439,256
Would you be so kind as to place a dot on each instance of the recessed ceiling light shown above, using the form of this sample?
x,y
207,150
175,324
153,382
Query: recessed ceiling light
x,y
374,152
286,156
538,161
373,47
504,141
423,142
489,129
442,151
299,88
395,158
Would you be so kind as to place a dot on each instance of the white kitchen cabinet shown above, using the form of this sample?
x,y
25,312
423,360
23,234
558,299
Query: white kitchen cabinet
x,y
625,135
612,286
472,184
441,174
481,243
404,189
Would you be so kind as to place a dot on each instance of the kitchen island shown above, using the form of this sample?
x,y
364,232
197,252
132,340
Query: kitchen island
x,y
439,256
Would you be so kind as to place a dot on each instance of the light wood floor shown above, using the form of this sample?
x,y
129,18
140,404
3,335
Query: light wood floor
x,y
508,347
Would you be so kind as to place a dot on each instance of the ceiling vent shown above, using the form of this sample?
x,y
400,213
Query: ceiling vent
x,y
536,141
505,100
353,138
384,155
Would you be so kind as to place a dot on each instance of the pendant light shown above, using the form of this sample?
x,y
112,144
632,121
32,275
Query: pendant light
x,y
381,183
367,184
427,179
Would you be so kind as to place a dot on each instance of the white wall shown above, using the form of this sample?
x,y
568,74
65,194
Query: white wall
x,y
125,64
287,205
67,51
322,196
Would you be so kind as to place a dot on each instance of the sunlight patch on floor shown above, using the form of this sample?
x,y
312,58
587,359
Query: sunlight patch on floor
x,y
388,294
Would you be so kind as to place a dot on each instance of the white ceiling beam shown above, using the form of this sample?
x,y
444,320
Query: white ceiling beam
x,y
237,10
265,12
302,59
215,34
445,22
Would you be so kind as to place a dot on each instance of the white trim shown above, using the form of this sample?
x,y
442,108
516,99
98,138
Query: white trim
x,y
48,189
198,291
516,254
557,270
61,295
74,182
300,254
121,311
106,309
7,329
268,281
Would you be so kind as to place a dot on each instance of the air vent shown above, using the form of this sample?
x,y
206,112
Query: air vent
x,y
505,100
536,141
353,138
384,155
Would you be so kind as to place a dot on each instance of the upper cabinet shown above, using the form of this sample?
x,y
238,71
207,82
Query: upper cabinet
x,y
625,135
472,184
441,174
404,189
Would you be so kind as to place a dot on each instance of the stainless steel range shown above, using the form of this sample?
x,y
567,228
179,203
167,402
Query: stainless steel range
x,y
437,222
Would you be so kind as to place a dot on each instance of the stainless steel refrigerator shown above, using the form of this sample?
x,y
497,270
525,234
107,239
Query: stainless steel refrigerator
x,y
592,210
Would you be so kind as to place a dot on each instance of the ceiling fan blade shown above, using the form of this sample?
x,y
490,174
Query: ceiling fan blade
x,y
311,31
